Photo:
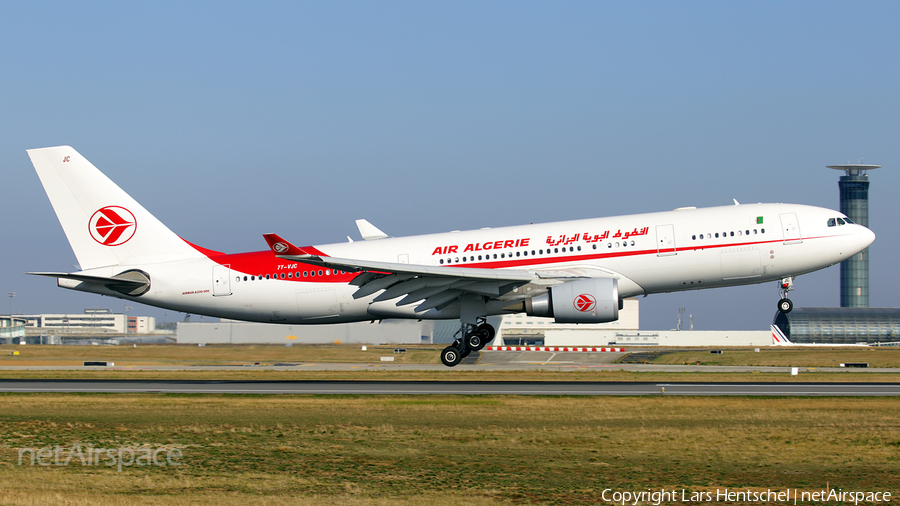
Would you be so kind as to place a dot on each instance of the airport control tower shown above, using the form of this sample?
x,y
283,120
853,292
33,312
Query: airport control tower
x,y
854,187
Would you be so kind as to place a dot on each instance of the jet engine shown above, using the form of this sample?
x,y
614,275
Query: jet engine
x,y
592,300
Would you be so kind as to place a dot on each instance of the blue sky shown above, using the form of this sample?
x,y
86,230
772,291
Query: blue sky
x,y
229,120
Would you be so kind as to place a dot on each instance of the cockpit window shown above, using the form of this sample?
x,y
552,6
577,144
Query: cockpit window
x,y
840,221
831,222
848,221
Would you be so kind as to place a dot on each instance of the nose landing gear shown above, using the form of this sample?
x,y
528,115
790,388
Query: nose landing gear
x,y
786,285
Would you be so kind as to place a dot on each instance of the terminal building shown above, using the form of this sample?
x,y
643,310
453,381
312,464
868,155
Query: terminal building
x,y
95,321
837,325
12,330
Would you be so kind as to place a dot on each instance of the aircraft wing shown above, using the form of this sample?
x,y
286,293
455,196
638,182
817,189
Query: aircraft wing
x,y
435,287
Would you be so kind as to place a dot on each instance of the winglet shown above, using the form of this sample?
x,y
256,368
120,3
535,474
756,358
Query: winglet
x,y
368,231
280,246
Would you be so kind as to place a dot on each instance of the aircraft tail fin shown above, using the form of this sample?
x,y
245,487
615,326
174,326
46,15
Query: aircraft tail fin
x,y
103,224
779,338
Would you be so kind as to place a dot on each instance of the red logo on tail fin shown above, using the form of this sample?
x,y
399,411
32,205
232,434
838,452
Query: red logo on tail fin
x,y
112,225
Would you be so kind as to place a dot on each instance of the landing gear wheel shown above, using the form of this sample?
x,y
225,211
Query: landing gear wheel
x,y
785,305
477,339
450,356
490,331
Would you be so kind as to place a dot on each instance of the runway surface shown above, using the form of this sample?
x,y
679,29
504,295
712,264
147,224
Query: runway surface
x,y
450,387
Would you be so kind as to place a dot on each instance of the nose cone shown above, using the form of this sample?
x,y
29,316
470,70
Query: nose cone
x,y
866,237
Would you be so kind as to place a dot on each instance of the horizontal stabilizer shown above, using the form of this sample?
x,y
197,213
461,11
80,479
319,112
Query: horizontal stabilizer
x,y
133,282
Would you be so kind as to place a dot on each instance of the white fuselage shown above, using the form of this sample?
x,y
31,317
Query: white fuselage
x,y
671,251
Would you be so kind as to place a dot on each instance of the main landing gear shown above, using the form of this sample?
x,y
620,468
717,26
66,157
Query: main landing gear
x,y
786,285
474,338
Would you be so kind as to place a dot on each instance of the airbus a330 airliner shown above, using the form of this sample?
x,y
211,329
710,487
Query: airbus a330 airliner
x,y
571,271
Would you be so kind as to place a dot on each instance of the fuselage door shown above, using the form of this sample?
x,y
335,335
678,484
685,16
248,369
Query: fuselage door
x,y
791,228
221,280
665,240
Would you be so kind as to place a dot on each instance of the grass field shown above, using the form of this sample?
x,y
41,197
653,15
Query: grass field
x,y
444,450
172,354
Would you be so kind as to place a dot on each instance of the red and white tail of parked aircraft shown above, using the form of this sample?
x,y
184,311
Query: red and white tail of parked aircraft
x,y
571,271
780,339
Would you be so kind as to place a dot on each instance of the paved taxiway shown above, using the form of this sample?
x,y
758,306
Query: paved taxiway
x,y
451,387
487,361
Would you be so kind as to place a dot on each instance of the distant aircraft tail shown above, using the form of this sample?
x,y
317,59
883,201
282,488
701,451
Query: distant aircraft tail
x,y
104,225
778,337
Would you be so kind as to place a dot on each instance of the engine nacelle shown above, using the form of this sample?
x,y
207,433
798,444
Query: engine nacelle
x,y
594,300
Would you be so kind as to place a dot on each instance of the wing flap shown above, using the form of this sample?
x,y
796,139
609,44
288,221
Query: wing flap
x,y
434,301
